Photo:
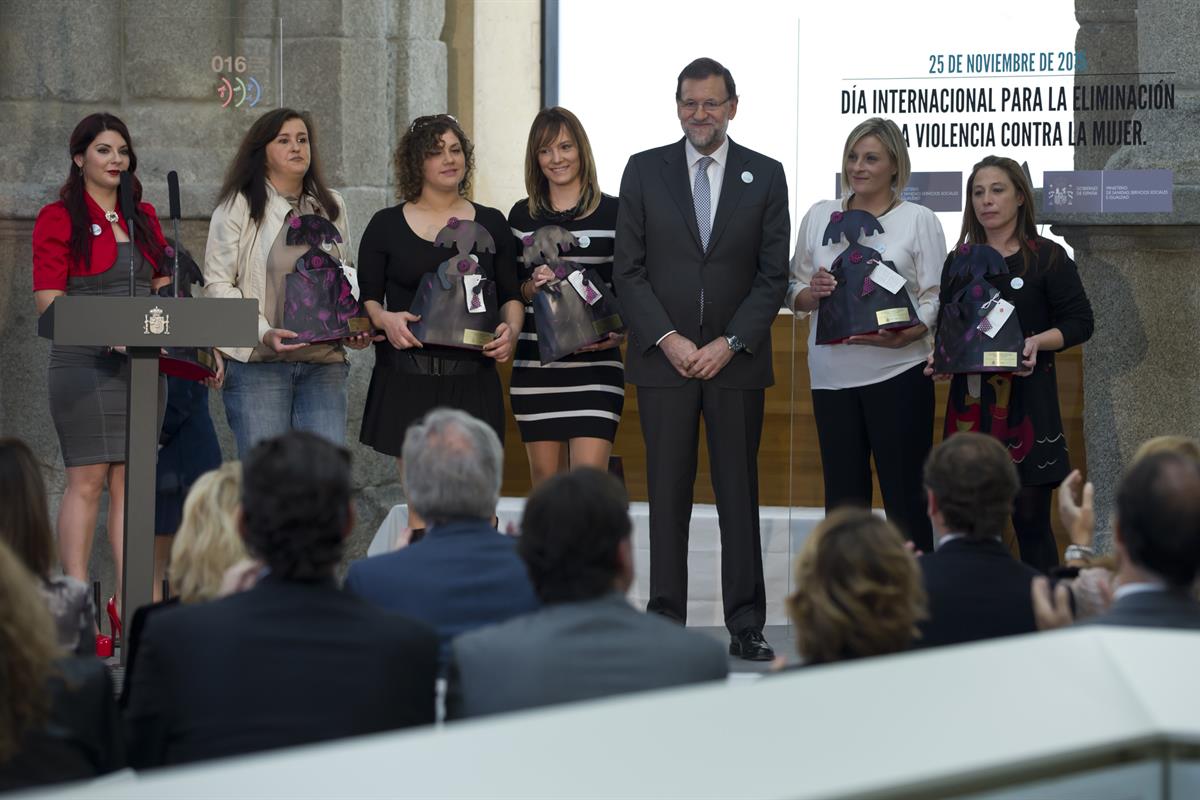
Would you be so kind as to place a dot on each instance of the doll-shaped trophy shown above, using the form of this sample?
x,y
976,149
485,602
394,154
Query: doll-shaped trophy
x,y
870,294
575,308
189,363
319,303
457,302
977,329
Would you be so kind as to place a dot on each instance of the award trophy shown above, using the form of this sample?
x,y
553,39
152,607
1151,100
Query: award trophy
x,y
977,329
574,309
870,294
319,303
457,303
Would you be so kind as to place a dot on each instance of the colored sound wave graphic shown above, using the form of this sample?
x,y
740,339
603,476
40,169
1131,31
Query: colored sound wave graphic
x,y
239,92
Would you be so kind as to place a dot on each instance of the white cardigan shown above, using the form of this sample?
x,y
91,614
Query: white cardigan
x,y
914,242
235,257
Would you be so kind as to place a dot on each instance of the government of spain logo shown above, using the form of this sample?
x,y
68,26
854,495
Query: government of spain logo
x,y
157,322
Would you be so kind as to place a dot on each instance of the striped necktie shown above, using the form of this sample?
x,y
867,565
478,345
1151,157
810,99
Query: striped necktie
x,y
702,198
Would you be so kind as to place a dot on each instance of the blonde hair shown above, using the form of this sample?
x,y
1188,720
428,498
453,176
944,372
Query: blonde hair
x,y
208,542
546,127
892,140
1182,445
858,590
28,647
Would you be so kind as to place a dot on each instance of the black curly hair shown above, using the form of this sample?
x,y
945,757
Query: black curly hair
x,y
296,504
417,144
570,532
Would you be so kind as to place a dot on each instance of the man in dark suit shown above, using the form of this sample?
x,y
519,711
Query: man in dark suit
x,y
293,660
463,573
976,589
1156,538
701,268
586,641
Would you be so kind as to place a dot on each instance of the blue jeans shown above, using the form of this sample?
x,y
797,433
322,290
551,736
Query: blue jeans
x,y
266,399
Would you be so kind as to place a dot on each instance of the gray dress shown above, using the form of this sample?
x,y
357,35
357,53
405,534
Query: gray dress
x,y
89,385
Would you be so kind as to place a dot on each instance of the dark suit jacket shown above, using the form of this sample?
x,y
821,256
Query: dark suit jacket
x,y
133,638
575,651
976,590
1161,609
82,737
459,577
282,664
659,269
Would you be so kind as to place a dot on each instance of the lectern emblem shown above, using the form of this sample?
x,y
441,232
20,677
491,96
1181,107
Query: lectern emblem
x,y
157,322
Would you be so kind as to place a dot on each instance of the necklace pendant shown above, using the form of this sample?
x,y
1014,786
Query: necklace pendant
x,y
111,216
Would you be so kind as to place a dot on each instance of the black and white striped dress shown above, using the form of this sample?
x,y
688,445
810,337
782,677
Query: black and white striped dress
x,y
582,394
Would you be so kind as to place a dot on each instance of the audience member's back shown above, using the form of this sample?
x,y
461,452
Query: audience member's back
x,y
975,588
293,660
58,720
586,641
463,574
1157,543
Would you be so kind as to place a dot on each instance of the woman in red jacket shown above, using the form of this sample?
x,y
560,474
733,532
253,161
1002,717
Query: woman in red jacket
x,y
81,246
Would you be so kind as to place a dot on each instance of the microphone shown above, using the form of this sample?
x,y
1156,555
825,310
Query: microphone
x,y
173,195
125,198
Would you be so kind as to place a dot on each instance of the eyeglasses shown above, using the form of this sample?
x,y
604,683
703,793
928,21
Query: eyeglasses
x,y
709,106
421,122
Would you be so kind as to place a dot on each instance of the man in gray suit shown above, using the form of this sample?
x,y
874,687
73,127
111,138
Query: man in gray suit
x,y
586,641
701,266
1157,543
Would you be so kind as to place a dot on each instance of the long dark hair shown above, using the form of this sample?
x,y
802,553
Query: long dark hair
x,y
24,516
73,193
1027,234
544,130
247,173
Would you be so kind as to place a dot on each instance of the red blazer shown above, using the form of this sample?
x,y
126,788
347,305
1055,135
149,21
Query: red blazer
x,y
52,261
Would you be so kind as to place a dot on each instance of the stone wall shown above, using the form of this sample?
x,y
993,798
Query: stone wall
x,y
364,68
1139,269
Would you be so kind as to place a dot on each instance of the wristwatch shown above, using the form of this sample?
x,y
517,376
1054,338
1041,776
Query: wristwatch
x,y
735,344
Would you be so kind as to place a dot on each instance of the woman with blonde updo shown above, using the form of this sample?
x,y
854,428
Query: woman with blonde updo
x,y
858,590
207,547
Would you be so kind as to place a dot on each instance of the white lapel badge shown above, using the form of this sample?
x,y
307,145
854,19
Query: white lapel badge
x,y
747,177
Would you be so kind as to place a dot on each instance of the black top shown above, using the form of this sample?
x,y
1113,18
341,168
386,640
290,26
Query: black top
x,y
392,259
1023,412
82,736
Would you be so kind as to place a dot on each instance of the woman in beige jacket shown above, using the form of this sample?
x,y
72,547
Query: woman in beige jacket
x,y
279,384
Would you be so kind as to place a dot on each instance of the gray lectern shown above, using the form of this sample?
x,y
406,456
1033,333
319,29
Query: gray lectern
x,y
143,325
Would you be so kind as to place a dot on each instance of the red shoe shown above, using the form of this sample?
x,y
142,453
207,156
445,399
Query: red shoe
x,y
114,620
104,646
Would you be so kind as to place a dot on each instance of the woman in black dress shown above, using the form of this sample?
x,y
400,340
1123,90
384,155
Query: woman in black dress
x,y
567,410
433,171
82,246
1021,409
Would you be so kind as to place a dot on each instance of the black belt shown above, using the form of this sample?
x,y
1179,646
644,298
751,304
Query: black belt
x,y
413,363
